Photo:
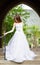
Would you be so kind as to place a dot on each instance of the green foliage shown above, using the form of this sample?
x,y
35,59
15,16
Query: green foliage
x,y
32,34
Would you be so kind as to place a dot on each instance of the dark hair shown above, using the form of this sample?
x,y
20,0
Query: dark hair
x,y
17,17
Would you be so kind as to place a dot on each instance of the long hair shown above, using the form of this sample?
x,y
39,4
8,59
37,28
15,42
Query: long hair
x,y
18,18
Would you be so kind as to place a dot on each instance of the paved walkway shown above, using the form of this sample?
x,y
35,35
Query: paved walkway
x,y
36,61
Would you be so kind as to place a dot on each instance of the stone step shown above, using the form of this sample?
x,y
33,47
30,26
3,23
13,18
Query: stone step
x,y
31,62
36,58
36,61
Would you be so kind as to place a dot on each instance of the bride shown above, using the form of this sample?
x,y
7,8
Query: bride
x,y
18,48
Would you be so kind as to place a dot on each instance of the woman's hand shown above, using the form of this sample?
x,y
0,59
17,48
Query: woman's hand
x,y
9,31
4,34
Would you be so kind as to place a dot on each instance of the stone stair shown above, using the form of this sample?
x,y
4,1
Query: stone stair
x,y
36,60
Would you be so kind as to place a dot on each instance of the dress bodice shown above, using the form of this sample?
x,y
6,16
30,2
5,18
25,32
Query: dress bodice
x,y
19,27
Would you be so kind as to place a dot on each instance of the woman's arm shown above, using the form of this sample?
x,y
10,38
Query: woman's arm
x,y
10,30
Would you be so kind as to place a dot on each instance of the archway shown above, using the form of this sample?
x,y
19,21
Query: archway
x,y
5,6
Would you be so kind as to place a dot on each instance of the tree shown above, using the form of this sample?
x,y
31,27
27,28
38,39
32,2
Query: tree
x,y
35,35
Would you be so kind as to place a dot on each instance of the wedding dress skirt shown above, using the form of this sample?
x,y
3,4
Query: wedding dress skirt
x,y
18,47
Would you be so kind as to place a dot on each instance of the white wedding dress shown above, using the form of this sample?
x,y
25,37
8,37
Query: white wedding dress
x,y
18,47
